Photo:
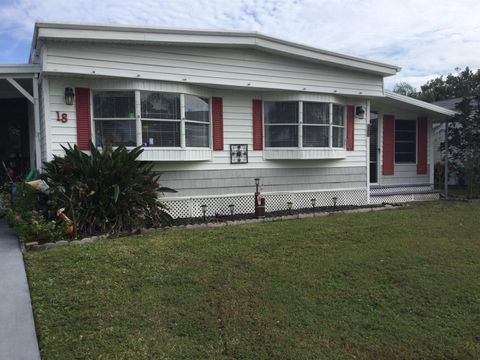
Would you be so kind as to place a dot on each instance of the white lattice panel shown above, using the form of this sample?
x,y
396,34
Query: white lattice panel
x,y
245,203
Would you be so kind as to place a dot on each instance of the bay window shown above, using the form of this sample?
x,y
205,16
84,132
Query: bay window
x,y
295,124
154,119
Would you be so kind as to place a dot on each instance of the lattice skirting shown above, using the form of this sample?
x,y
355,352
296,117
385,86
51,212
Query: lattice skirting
x,y
400,198
245,203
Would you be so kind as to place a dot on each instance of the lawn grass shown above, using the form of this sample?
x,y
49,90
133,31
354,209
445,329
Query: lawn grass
x,y
400,284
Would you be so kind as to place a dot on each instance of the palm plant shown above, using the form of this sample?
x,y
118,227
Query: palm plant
x,y
106,191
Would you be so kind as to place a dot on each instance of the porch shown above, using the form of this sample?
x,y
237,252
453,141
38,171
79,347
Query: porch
x,y
19,120
401,149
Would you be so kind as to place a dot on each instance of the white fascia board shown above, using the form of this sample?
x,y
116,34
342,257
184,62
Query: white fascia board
x,y
85,32
419,103
28,69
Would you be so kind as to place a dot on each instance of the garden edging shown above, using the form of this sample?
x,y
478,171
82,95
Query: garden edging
x,y
34,246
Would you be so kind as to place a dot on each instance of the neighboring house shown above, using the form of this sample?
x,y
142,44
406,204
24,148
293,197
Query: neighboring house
x,y
215,110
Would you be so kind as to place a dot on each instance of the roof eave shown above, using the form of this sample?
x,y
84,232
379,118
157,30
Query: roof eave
x,y
419,103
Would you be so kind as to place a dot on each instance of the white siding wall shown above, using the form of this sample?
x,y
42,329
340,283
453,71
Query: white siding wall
x,y
238,126
208,66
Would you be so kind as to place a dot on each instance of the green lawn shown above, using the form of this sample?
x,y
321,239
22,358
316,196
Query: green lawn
x,y
401,284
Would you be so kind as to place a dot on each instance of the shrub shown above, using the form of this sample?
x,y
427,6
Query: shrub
x,y
107,191
33,226
25,210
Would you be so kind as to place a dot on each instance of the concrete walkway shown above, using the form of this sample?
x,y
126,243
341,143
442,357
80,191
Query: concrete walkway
x,y
17,329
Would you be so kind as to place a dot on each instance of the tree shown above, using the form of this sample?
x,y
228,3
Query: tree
x,y
404,88
464,142
458,85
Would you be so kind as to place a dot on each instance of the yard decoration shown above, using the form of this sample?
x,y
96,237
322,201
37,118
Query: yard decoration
x,y
70,225
259,201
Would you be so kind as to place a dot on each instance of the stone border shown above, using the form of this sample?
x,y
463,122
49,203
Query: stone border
x,y
34,246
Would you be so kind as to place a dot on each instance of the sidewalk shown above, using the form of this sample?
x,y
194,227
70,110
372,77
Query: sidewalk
x,y
17,329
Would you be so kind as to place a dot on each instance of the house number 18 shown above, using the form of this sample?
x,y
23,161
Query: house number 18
x,y
62,117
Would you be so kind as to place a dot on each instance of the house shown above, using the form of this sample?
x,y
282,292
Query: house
x,y
215,110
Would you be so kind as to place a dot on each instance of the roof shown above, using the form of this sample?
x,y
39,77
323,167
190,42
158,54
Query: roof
x,y
419,103
248,39
450,104
19,70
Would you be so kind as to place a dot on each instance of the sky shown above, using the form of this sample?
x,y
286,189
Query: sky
x,y
427,38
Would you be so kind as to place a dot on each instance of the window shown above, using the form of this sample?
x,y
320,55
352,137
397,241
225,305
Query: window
x,y
316,124
322,124
161,118
197,119
114,118
405,141
160,113
281,124
338,125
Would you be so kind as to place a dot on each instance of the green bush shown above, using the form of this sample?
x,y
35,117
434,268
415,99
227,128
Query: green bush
x,y
107,191
25,210
33,226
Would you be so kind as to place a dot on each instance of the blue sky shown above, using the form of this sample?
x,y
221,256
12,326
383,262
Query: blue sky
x,y
426,38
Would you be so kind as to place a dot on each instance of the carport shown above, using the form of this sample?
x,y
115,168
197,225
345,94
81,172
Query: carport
x,y
19,118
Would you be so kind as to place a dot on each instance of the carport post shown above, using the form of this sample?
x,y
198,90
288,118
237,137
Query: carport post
x,y
36,115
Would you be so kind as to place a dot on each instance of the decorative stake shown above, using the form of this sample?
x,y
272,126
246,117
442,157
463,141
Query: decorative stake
x,y
290,206
204,212
314,202
334,199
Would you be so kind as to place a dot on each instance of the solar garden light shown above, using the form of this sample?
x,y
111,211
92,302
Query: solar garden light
x,y
334,199
259,201
314,202
257,182
232,209
290,206
204,211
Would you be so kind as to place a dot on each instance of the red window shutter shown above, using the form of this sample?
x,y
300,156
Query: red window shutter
x,y
217,123
422,141
388,145
84,119
257,125
350,128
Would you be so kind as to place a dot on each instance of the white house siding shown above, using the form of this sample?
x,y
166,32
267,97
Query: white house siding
x,y
211,66
217,177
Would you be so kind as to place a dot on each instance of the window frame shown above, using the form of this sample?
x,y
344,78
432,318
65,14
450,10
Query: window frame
x,y
297,124
93,133
138,119
301,125
415,144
